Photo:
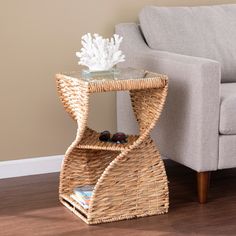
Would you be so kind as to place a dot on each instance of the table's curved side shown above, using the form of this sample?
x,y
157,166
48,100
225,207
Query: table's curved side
x,y
75,99
134,183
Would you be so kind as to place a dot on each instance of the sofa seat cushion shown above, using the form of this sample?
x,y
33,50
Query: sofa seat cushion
x,y
201,31
227,151
228,109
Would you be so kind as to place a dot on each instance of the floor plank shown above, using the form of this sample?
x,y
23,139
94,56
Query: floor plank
x,y
29,207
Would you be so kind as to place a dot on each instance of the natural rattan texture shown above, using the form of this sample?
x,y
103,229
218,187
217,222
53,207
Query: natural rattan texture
x,y
130,179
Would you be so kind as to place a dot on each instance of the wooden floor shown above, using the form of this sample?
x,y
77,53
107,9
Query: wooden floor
x,y
29,206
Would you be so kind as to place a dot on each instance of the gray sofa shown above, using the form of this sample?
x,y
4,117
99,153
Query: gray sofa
x,y
196,48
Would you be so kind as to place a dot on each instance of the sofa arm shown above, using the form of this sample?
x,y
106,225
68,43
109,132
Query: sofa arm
x,y
188,129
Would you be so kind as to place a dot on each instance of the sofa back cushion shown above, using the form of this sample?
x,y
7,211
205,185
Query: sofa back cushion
x,y
204,31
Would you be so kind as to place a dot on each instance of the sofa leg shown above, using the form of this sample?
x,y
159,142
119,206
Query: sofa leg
x,y
203,180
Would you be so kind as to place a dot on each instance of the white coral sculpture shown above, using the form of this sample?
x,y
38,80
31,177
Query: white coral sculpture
x,y
100,54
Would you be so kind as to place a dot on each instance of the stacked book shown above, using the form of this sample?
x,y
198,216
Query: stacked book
x,y
82,195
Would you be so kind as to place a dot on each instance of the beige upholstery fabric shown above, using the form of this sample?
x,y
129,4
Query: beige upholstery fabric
x,y
205,31
195,47
227,151
228,109
188,128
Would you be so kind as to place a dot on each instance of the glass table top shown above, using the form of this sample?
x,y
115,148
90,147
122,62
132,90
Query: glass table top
x,y
115,75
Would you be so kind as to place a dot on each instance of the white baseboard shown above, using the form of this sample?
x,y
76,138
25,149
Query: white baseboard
x,y
31,166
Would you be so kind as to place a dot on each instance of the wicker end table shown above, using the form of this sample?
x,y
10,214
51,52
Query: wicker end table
x,y
130,179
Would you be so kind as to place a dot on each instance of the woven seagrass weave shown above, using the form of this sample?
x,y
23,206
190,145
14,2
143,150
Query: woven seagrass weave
x,y
130,179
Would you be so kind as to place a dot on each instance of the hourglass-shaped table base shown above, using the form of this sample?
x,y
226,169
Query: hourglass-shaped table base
x,y
130,179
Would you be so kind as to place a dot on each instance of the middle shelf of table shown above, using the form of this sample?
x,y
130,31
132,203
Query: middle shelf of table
x,y
91,140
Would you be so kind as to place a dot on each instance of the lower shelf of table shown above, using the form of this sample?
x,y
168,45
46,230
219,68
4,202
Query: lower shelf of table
x,y
82,213
74,206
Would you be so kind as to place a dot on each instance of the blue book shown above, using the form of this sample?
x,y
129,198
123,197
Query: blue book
x,y
84,193
81,202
